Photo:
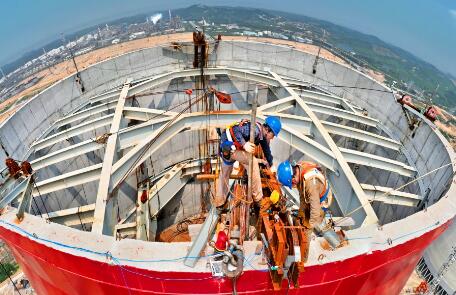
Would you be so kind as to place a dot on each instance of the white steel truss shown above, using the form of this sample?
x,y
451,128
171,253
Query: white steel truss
x,y
302,130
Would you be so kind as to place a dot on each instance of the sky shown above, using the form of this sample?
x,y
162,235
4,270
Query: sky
x,y
426,28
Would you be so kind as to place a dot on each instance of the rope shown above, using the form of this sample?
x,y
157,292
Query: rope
x,y
389,192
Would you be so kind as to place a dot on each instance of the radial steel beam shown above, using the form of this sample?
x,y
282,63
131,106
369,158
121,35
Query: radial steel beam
x,y
66,153
149,144
127,138
279,105
84,114
305,125
162,78
348,115
375,161
104,208
133,135
198,121
68,180
102,96
349,194
301,124
390,196
350,132
73,216
310,96
145,114
73,131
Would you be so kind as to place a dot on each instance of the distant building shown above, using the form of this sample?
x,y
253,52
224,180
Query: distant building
x,y
115,41
137,35
249,33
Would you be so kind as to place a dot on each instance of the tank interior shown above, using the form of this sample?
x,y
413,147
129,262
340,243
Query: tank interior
x,y
355,143
191,148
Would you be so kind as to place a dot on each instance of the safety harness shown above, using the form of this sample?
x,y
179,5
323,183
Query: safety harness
x,y
308,171
232,144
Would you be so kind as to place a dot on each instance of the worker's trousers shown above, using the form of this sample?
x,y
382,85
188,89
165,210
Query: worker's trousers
x,y
222,184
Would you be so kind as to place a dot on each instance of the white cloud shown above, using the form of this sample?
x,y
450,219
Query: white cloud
x,y
453,13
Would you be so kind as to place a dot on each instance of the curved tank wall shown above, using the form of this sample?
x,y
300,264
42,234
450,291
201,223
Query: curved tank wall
x,y
425,148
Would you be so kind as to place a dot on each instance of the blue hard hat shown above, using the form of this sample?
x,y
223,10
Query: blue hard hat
x,y
274,123
285,173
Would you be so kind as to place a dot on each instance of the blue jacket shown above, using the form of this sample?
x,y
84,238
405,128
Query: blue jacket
x,y
242,134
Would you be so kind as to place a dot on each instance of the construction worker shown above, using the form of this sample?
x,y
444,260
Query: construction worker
x,y
314,191
235,146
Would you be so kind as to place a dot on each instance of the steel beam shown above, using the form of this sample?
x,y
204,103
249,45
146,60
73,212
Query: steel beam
x,y
73,216
68,180
198,121
104,209
301,124
73,131
105,95
145,114
26,199
355,133
309,147
279,105
390,196
349,193
14,193
332,111
203,236
310,96
142,217
162,78
375,161
166,188
126,229
193,121
127,138
305,126
188,170
85,114
66,153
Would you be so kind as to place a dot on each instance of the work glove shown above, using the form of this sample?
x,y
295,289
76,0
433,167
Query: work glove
x,y
249,147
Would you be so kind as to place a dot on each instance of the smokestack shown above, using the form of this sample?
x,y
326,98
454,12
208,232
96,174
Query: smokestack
x,y
3,74
155,18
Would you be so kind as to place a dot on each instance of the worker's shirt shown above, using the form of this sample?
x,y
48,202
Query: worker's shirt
x,y
242,134
313,188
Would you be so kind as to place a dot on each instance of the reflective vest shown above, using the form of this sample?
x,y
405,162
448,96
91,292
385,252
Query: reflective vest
x,y
232,138
310,170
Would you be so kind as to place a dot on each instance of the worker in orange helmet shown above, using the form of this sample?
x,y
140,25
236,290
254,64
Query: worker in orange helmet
x,y
314,191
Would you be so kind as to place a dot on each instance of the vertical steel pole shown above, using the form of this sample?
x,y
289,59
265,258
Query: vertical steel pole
x,y
252,140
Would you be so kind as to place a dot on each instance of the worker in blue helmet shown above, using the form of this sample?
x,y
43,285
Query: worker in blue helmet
x,y
235,146
314,190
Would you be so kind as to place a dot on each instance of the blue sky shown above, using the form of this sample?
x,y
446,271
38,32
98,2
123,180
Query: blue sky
x,y
426,28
